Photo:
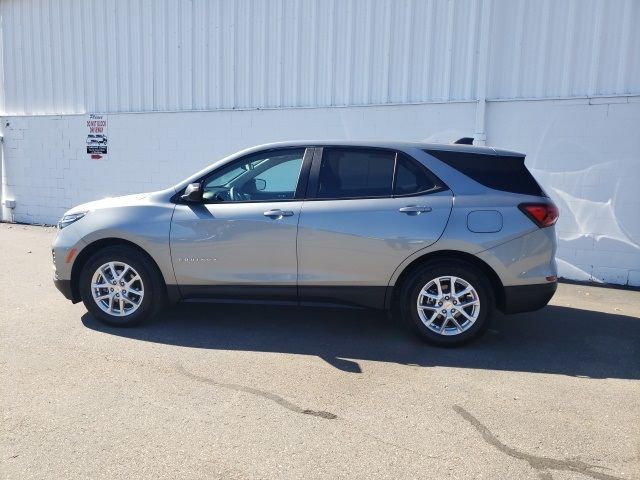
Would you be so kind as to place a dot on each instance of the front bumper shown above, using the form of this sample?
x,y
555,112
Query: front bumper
x,y
526,298
65,287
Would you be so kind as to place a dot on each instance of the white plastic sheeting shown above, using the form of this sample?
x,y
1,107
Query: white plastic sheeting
x,y
77,56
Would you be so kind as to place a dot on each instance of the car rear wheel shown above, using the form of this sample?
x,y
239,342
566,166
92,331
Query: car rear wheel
x,y
447,302
121,287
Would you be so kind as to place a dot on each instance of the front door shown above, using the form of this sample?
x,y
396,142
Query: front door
x,y
240,242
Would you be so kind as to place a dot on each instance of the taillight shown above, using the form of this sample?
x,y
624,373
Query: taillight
x,y
542,214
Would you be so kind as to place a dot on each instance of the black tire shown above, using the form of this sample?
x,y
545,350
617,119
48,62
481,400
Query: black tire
x,y
440,268
154,292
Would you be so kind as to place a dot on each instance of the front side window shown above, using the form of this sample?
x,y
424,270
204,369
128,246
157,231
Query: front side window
x,y
265,176
356,173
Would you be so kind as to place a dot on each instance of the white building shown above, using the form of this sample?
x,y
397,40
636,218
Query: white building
x,y
183,83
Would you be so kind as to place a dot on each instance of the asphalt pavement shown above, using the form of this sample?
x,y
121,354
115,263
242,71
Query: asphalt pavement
x,y
244,392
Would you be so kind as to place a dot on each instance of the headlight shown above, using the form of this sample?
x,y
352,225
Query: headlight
x,y
68,219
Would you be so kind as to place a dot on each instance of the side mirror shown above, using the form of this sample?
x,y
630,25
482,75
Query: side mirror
x,y
261,184
192,193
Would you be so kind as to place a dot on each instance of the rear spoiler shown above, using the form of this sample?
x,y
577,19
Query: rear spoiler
x,y
463,141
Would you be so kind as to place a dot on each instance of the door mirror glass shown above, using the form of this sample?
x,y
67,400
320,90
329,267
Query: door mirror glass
x,y
192,193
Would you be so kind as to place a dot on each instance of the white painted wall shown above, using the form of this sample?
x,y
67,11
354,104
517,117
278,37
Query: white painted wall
x,y
585,152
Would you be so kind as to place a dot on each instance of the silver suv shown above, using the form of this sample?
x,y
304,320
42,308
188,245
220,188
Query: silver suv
x,y
439,235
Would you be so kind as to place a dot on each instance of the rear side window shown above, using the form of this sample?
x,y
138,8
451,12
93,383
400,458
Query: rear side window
x,y
507,173
356,173
412,178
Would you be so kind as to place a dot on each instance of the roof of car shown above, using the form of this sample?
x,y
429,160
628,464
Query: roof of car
x,y
451,147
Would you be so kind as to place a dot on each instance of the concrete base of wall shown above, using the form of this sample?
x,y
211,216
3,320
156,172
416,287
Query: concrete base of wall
x,y
583,151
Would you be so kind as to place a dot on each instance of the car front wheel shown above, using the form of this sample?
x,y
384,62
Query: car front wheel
x,y
447,302
120,286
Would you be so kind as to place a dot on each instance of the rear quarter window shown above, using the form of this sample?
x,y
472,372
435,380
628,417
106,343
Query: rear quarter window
x,y
411,178
505,173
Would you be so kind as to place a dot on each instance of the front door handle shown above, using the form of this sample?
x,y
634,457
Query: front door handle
x,y
276,213
414,209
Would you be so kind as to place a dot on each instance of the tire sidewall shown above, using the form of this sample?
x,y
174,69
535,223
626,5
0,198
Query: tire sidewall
x,y
144,268
436,269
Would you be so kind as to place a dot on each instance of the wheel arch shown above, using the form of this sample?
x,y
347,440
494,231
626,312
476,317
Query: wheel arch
x,y
459,256
87,252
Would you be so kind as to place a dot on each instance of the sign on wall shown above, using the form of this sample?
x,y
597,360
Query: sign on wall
x,y
97,136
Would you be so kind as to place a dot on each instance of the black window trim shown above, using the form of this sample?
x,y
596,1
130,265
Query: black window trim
x,y
314,175
301,186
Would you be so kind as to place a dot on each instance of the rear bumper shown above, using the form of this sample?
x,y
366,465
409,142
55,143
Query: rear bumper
x,y
526,298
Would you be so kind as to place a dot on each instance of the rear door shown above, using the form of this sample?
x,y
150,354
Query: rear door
x,y
367,209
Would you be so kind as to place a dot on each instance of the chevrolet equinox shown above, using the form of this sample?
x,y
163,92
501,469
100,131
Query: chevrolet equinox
x,y
439,235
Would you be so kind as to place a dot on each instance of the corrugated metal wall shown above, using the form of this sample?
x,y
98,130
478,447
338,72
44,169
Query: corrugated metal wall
x,y
77,56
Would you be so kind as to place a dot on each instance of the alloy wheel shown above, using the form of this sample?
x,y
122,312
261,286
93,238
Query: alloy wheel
x,y
448,305
117,289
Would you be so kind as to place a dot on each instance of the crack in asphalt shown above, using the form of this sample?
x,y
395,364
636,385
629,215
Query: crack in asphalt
x,y
286,404
260,393
542,465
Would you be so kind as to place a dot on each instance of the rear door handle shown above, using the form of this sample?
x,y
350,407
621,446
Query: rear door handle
x,y
277,213
414,209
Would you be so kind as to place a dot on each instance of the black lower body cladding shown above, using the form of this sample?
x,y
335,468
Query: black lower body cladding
x,y
527,298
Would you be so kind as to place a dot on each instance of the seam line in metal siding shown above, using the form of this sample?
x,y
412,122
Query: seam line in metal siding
x,y
568,44
82,65
219,78
234,49
366,94
166,69
543,54
17,83
2,82
296,93
389,20
280,92
47,53
57,59
472,41
313,70
179,81
111,67
595,49
624,47
36,47
195,48
516,86
205,55
137,83
349,31
426,62
407,47
446,77
68,42
151,96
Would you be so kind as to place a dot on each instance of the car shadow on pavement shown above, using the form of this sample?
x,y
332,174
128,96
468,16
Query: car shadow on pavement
x,y
557,340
